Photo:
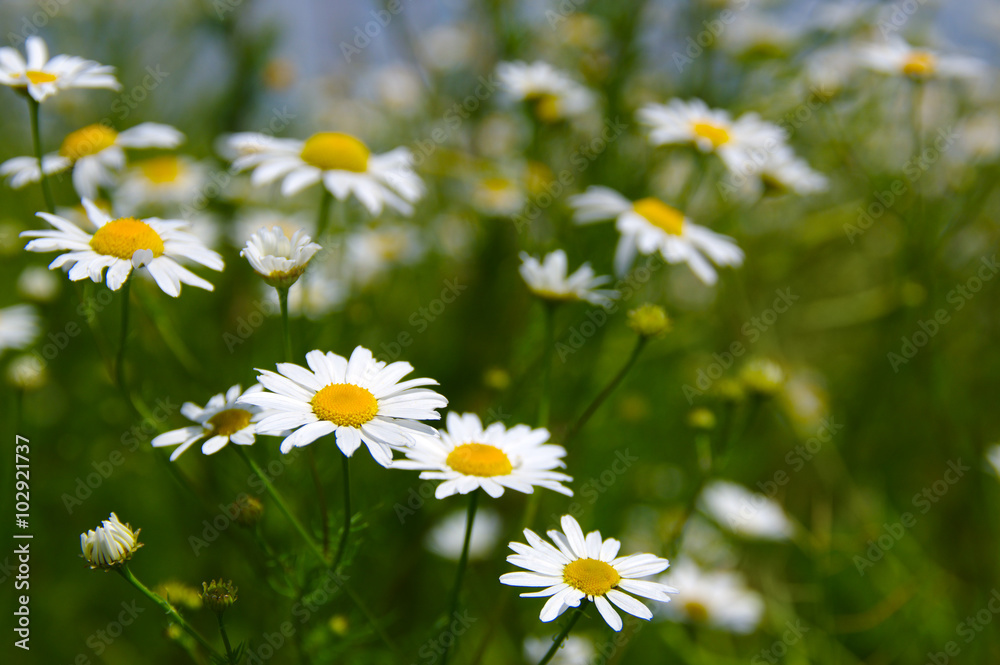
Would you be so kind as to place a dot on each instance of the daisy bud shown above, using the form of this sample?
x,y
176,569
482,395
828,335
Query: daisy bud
x,y
218,596
649,321
247,509
701,418
762,376
278,259
109,545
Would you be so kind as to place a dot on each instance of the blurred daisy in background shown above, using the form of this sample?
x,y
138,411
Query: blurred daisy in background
x,y
575,650
579,568
278,259
372,251
745,513
548,280
41,76
115,244
551,93
993,457
166,180
360,399
468,456
649,225
447,537
19,326
37,283
718,598
342,162
94,152
782,171
222,420
898,58
498,196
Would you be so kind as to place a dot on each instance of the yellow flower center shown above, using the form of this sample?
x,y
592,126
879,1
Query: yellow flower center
x,y
333,151
547,106
87,141
161,170
121,238
479,459
345,404
717,135
229,421
696,610
660,215
593,577
496,184
919,63
37,77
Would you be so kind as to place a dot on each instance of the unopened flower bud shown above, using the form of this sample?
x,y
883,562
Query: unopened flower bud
x,y
649,321
218,596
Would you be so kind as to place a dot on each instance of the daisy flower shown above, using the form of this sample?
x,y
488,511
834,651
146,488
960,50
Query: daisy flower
x,y
718,598
109,545
278,259
579,568
19,325
712,130
552,94
41,76
745,513
222,420
548,280
95,153
468,456
361,400
342,162
649,225
783,171
164,180
118,244
896,57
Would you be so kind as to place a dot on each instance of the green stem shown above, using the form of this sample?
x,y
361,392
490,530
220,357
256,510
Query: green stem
x,y
36,141
323,217
124,571
230,656
286,334
342,545
608,389
563,635
545,401
463,560
120,363
321,498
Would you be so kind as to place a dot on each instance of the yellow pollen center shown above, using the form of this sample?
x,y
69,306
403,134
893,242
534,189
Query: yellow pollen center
x,y
229,421
121,238
345,404
496,184
161,170
717,135
37,77
333,151
87,141
660,215
919,63
697,611
479,459
593,577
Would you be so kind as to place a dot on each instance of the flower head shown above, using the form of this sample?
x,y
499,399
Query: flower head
x,y
649,320
358,399
109,545
548,280
718,598
158,242
218,596
553,95
745,513
896,57
278,259
578,568
19,325
222,421
468,456
41,76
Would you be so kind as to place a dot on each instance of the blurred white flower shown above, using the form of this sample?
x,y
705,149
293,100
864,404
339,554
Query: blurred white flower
x,y
109,545
370,252
784,171
554,96
38,283
993,457
26,372
896,57
278,259
719,598
548,279
41,76
165,180
498,196
447,537
576,650
19,326
446,47
399,88
743,512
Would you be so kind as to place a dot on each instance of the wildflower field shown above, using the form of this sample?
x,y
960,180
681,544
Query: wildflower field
x,y
571,332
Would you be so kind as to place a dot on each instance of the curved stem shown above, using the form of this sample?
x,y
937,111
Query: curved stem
x,y
342,545
563,635
36,141
124,571
608,389
462,562
120,362
287,336
230,656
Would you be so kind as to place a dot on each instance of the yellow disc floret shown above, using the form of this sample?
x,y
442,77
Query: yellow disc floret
x,y
920,64
345,404
660,215
123,237
696,610
36,77
479,459
593,577
333,151
715,134
87,141
229,421
161,170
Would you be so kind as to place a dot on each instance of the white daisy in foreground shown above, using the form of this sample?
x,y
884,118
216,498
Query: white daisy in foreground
x,y
896,57
718,598
222,420
548,280
468,456
360,400
95,153
342,162
41,76
649,225
745,513
118,244
162,181
278,259
19,326
109,545
579,568
712,130
447,537
553,95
